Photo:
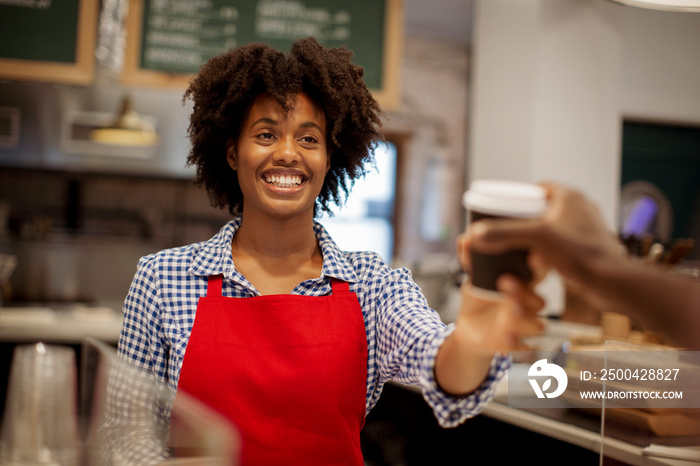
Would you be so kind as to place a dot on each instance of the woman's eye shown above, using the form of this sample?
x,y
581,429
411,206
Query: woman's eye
x,y
309,140
265,136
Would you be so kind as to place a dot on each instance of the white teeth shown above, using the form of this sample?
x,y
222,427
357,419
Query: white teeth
x,y
284,181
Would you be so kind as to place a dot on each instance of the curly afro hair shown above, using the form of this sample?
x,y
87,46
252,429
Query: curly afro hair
x,y
227,84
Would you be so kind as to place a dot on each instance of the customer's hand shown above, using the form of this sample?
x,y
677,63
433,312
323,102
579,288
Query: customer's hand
x,y
571,236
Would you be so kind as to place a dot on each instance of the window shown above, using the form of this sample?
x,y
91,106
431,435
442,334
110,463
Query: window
x,y
365,222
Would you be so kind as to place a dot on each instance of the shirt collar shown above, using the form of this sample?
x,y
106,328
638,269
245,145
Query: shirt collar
x,y
335,262
214,255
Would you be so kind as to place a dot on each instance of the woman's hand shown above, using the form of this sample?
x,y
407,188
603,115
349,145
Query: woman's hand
x,y
498,326
486,327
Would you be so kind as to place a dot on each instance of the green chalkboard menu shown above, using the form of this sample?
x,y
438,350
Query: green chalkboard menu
x,y
168,40
48,40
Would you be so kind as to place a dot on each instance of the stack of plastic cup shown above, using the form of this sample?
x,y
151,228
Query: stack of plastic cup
x,y
40,423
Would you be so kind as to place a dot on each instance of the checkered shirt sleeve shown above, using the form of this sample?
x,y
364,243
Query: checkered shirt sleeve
x,y
403,332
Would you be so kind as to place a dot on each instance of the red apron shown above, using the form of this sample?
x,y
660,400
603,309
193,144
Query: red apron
x,y
290,372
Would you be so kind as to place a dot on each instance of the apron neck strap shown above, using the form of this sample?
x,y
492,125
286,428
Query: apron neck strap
x,y
214,285
339,286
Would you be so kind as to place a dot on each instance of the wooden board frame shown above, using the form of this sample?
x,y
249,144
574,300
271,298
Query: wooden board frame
x,y
82,71
388,96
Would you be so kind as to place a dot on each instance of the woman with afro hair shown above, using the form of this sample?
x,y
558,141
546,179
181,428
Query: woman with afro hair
x,y
269,322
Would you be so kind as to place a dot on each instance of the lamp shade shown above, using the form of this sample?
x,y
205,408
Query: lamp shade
x,y
666,5
128,129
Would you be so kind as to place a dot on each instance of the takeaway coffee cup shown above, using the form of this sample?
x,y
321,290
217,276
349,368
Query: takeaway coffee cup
x,y
501,199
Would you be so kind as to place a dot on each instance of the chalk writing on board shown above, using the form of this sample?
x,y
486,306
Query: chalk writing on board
x,y
183,34
292,19
169,40
36,4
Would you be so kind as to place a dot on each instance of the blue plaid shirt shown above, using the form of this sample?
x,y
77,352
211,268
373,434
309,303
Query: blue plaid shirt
x,y
403,333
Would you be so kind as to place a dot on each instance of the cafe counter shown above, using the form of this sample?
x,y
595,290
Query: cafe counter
x,y
61,323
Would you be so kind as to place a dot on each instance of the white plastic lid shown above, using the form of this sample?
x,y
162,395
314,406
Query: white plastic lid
x,y
506,198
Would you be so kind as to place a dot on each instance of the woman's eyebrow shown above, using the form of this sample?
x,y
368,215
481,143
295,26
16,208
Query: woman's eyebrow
x,y
265,120
310,124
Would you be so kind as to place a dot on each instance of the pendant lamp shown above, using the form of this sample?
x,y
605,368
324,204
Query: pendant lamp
x,y
666,5
128,129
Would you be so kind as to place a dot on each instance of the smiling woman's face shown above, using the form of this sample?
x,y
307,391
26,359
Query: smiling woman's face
x,y
281,159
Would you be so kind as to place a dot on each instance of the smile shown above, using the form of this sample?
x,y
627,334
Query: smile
x,y
283,181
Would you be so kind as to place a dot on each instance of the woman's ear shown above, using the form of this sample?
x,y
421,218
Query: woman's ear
x,y
231,154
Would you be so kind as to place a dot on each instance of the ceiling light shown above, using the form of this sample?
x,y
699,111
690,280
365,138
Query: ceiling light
x,y
667,5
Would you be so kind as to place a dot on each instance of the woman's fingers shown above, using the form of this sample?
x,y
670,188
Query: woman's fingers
x,y
523,296
524,306
463,245
539,266
498,235
499,325
466,241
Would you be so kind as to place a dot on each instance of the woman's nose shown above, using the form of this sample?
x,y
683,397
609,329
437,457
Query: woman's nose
x,y
287,151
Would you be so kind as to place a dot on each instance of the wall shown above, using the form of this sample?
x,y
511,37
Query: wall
x,y
661,70
545,92
553,80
